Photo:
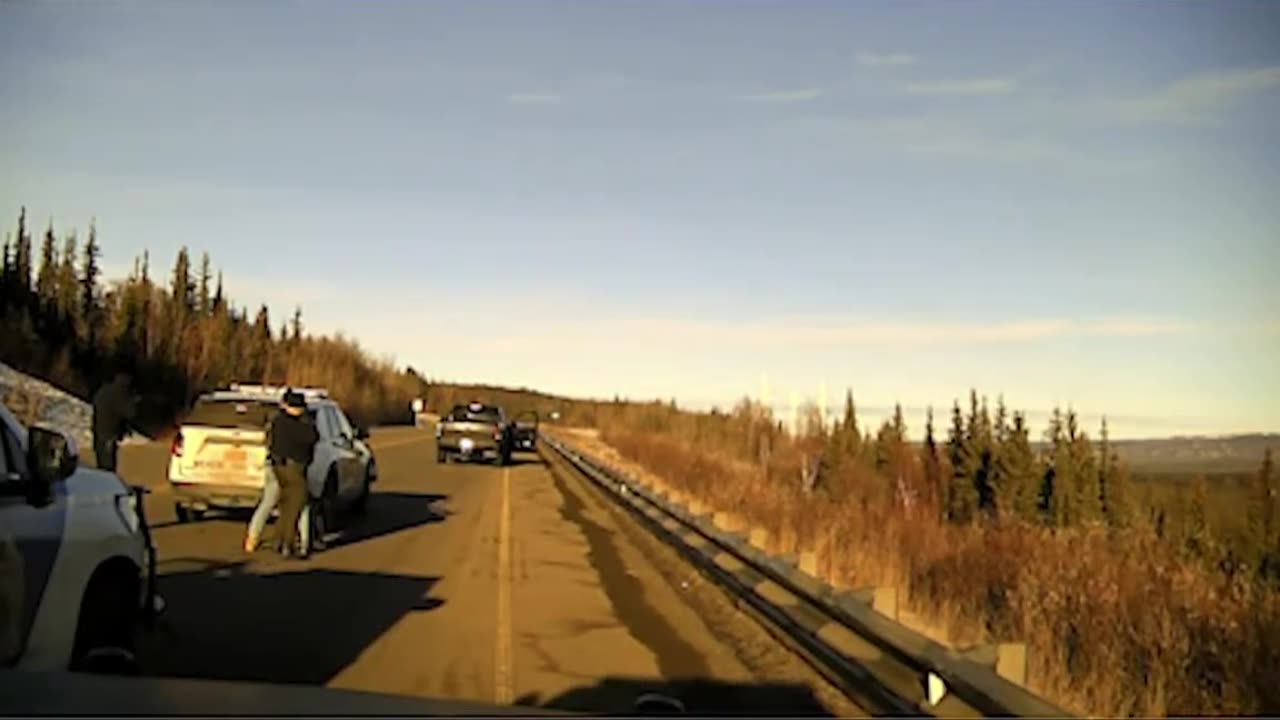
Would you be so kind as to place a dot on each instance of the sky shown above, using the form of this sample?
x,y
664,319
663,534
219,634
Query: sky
x,y
1067,203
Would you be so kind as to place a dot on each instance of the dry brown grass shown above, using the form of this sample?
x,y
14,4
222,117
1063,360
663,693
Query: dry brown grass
x,y
1116,623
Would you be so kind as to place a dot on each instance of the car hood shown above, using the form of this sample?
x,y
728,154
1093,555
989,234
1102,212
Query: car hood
x,y
60,693
89,484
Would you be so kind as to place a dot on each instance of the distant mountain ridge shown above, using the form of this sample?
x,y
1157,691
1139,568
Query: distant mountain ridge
x,y
1197,453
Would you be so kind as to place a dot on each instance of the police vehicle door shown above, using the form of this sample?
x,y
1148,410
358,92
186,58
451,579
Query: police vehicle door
x,y
357,455
341,451
35,533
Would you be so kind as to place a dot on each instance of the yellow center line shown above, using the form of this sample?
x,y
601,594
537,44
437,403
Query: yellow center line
x,y
502,684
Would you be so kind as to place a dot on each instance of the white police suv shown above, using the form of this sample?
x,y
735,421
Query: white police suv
x,y
218,459
77,567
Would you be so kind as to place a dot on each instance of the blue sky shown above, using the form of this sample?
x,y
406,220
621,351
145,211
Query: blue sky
x,y
1067,202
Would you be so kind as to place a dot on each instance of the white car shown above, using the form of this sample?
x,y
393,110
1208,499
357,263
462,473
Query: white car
x,y
76,561
218,458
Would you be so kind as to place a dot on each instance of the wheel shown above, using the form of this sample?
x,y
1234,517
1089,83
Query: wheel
x,y
361,504
327,505
104,641
440,457
187,514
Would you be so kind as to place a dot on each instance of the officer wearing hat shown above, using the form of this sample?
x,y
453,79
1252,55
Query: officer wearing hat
x,y
291,445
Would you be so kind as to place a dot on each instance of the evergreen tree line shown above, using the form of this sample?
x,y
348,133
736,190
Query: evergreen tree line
x,y
180,335
983,468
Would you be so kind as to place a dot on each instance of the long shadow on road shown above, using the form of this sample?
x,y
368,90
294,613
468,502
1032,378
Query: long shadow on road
x,y
391,512
388,512
300,626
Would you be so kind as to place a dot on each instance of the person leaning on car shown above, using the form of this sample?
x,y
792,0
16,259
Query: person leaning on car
x,y
291,445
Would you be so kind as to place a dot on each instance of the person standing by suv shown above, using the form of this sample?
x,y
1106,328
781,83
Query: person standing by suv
x,y
114,409
291,446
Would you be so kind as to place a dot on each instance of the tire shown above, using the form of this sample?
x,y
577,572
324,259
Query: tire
x,y
184,515
327,505
109,616
440,457
360,505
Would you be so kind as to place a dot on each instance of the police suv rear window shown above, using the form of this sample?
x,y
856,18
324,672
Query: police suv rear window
x,y
239,414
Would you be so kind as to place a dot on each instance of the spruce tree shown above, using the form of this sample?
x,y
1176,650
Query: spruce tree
x,y
68,282
1020,478
929,464
1087,496
851,435
47,277
1055,476
962,502
22,260
91,310
204,300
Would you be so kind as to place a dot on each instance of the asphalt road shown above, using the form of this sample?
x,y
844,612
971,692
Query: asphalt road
x,y
518,585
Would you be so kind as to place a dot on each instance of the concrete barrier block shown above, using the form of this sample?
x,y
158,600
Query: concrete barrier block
x,y
1011,662
885,602
759,538
729,522
809,563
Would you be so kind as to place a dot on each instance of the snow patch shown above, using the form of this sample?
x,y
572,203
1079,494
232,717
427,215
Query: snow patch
x,y
35,401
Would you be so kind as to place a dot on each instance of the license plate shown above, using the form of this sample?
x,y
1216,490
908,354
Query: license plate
x,y
235,457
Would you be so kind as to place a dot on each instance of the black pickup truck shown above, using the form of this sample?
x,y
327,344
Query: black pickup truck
x,y
474,432
525,431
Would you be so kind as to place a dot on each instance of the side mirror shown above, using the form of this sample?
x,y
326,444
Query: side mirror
x,y
361,432
52,456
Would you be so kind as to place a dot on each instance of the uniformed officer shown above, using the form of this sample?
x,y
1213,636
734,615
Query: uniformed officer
x,y
292,444
114,409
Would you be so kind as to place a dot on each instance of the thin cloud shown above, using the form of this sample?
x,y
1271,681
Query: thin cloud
x,y
784,96
859,334
871,59
534,98
828,333
1195,99
967,88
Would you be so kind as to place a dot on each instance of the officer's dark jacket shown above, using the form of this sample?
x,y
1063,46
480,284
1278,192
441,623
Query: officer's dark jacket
x,y
113,410
292,438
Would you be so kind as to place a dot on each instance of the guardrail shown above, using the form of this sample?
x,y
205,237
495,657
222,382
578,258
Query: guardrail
x,y
882,665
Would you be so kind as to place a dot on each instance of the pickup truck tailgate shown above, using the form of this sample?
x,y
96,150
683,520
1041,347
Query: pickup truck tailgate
x,y
482,435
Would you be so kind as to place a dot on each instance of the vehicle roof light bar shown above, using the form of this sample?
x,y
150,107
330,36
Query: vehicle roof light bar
x,y
275,392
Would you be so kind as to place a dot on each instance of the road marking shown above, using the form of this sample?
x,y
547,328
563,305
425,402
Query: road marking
x,y
502,665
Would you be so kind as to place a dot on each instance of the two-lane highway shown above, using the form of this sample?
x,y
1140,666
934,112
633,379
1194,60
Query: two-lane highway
x,y
511,585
